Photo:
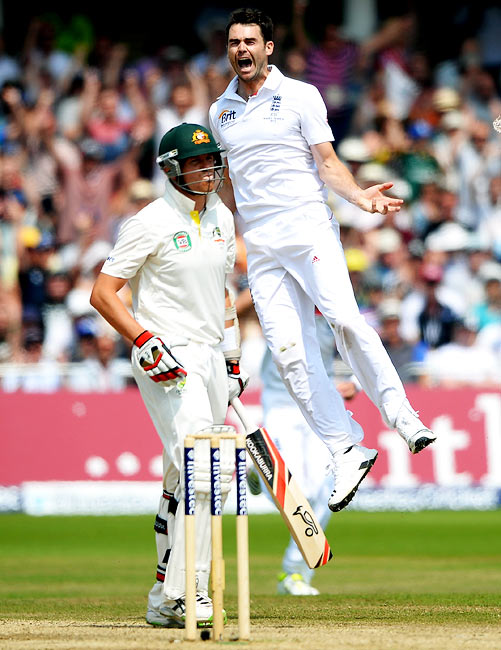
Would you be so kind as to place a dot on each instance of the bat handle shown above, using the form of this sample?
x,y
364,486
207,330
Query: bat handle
x,y
242,414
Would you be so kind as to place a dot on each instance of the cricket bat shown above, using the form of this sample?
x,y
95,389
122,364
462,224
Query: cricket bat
x,y
285,492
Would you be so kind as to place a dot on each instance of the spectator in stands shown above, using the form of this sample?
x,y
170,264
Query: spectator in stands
x,y
332,66
57,321
461,362
101,372
488,311
490,228
88,182
7,335
34,374
436,320
210,27
401,352
478,161
33,273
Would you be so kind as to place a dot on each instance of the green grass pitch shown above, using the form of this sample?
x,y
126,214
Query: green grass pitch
x,y
389,569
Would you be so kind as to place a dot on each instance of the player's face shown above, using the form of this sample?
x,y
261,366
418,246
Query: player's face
x,y
198,172
248,53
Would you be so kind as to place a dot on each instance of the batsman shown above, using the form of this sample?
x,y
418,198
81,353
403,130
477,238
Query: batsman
x,y
176,253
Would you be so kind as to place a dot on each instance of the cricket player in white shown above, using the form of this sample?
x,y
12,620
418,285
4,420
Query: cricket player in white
x,y
176,253
281,161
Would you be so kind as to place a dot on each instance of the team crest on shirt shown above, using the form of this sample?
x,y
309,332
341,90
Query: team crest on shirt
x,y
275,108
275,104
200,137
182,241
217,236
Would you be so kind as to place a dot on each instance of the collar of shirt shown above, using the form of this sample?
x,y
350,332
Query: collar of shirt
x,y
272,81
182,203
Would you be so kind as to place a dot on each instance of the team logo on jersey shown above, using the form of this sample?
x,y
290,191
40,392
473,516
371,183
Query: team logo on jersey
x,y
200,137
217,236
275,109
227,116
275,104
182,241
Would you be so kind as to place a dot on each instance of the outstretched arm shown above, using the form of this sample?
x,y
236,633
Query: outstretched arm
x,y
340,180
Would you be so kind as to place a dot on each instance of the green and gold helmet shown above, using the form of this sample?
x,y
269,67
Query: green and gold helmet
x,y
185,141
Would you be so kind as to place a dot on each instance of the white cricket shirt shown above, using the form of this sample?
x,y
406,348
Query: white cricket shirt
x,y
267,141
176,265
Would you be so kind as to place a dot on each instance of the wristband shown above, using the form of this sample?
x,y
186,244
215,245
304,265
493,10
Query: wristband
x,y
232,366
142,338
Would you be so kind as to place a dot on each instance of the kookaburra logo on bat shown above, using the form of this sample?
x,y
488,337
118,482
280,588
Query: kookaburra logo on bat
x,y
311,528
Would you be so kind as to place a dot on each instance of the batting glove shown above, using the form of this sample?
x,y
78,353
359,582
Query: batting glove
x,y
237,379
157,361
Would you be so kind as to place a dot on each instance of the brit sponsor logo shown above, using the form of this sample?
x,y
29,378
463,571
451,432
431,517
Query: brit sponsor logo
x,y
311,528
182,241
227,116
110,258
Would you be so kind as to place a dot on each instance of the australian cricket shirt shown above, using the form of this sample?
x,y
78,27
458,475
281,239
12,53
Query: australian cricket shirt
x,y
176,262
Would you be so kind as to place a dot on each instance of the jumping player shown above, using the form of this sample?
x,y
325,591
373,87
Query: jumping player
x,y
281,162
176,253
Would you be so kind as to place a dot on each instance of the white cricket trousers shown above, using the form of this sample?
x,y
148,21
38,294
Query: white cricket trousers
x,y
177,412
296,261
202,402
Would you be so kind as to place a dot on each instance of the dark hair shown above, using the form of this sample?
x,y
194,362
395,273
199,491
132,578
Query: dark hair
x,y
252,17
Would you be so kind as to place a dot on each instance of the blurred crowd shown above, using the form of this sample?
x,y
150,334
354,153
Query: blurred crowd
x,y
80,123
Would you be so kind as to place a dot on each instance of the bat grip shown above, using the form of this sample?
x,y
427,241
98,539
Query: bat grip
x,y
248,425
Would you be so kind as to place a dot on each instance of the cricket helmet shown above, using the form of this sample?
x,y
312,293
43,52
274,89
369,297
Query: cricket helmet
x,y
186,141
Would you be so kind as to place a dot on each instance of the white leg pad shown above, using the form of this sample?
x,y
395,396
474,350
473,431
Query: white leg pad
x,y
175,577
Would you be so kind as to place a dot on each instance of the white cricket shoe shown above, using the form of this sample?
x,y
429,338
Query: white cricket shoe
x,y
164,616
412,430
350,467
203,607
293,584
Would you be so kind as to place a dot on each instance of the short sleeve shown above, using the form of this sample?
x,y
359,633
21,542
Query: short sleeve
x,y
131,249
212,123
231,245
314,125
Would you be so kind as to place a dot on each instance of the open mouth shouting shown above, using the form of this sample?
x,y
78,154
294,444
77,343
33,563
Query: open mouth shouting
x,y
244,64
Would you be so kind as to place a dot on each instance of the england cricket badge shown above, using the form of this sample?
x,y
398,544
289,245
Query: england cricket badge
x,y
182,241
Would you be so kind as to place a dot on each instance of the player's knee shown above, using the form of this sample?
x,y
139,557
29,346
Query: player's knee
x,y
347,326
